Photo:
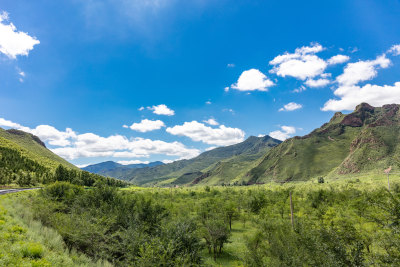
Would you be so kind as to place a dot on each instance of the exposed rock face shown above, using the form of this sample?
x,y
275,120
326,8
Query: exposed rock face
x,y
358,117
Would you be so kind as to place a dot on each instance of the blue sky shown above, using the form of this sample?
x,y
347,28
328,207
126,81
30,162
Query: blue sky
x,y
254,67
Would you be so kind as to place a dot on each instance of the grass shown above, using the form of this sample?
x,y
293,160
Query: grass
x,y
26,242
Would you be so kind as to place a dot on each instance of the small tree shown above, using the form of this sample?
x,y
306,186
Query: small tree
x,y
321,180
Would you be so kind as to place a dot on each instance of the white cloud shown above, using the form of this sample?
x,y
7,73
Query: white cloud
x,y
226,89
125,126
14,43
351,96
141,108
128,162
302,64
196,131
80,166
208,103
300,89
147,125
291,106
162,110
166,161
211,121
230,65
210,148
362,71
252,80
317,83
338,59
395,50
53,136
284,133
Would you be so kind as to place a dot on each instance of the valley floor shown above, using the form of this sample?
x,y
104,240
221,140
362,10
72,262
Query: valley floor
x,y
356,214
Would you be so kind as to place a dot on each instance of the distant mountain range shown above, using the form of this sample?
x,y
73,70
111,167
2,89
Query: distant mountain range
x,y
110,168
238,157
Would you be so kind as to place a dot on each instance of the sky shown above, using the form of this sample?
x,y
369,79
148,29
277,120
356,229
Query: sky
x,y
140,81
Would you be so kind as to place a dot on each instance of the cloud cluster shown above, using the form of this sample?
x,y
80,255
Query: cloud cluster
x,y
284,133
71,145
291,106
221,136
14,43
162,110
350,93
252,80
147,125
302,64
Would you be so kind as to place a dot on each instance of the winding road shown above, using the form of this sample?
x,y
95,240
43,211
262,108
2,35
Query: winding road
x,y
7,191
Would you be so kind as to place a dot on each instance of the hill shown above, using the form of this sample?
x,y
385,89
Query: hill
x,y
363,141
32,147
25,160
111,168
178,172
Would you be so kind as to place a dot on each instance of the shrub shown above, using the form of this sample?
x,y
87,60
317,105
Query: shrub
x,y
33,251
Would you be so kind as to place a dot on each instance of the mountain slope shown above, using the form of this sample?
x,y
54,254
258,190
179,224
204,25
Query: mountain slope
x,y
32,147
363,141
111,168
173,171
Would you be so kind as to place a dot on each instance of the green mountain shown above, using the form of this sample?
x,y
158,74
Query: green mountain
x,y
361,142
31,147
190,171
111,168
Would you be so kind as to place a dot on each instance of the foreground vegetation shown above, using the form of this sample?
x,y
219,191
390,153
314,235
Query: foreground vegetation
x,y
355,222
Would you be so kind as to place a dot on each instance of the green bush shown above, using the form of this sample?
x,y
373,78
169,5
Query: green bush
x,y
33,251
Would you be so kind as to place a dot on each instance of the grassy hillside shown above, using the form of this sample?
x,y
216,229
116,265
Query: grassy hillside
x,y
178,171
32,147
363,141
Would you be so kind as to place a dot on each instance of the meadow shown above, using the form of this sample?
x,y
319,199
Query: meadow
x,y
347,222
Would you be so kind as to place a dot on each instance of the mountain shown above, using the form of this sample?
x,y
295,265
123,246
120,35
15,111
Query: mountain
x,y
363,141
111,168
31,147
187,171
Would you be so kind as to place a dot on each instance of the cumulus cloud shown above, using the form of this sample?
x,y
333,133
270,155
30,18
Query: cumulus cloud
x,y
147,125
395,50
211,121
14,43
141,108
71,146
221,136
252,80
230,65
208,102
291,106
317,83
300,89
351,96
284,133
361,71
338,59
162,110
302,64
